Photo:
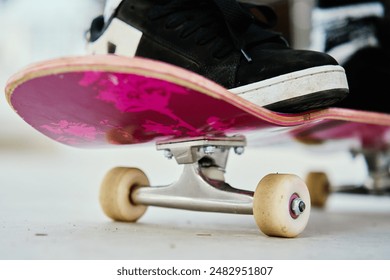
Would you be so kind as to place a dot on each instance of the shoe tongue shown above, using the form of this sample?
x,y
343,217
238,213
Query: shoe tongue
x,y
248,24
256,36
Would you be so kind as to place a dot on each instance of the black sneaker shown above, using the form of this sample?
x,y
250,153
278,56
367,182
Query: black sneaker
x,y
226,42
356,33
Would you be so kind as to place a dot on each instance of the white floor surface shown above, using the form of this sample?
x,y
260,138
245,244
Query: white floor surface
x,y
49,210
49,193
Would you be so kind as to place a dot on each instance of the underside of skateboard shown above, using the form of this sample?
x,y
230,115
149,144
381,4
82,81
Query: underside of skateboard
x,y
280,204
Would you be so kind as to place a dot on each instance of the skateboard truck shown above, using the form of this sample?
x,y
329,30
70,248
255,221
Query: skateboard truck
x,y
378,164
280,204
202,186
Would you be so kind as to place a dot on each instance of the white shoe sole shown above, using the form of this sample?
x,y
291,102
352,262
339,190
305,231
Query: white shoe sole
x,y
294,85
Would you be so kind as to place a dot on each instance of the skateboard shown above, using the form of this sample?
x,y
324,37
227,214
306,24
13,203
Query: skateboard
x,y
104,101
372,144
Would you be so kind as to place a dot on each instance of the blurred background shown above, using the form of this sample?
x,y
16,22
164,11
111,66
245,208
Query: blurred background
x,y
43,29
49,190
34,31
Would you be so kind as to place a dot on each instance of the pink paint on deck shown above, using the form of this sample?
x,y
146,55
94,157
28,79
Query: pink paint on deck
x,y
80,108
75,129
70,132
100,107
370,136
130,95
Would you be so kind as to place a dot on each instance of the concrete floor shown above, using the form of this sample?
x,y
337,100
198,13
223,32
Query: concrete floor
x,y
49,210
49,193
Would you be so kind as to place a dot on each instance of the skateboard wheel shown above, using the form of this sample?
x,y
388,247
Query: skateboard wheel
x,y
319,188
274,203
116,191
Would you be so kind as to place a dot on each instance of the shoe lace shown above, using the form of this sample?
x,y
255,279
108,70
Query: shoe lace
x,y
225,24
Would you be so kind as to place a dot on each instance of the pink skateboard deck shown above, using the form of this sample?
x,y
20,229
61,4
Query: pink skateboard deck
x,y
106,101
100,101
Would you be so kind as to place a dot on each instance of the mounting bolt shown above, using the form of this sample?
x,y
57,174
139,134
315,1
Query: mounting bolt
x,y
298,206
168,154
239,150
209,150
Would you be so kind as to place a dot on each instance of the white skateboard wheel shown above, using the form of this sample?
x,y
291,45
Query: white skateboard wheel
x,y
319,188
274,202
116,191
